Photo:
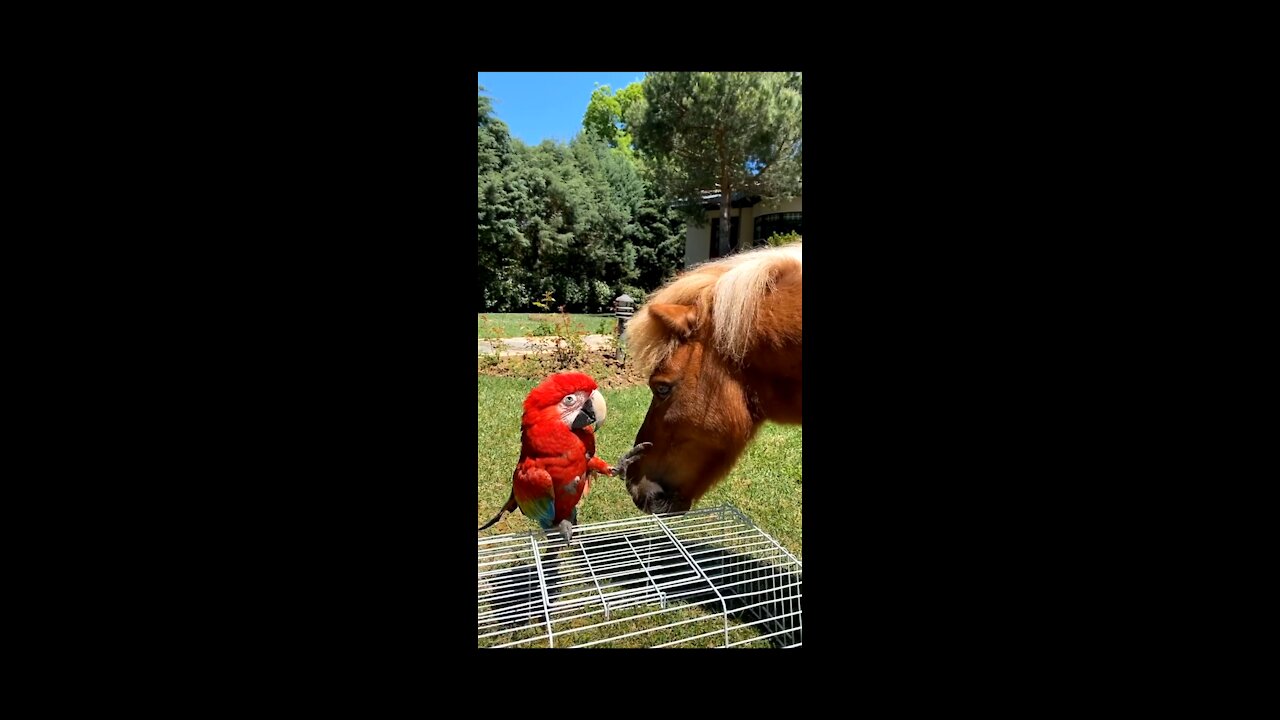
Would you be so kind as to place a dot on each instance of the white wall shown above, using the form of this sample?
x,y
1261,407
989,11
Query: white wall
x,y
697,244
697,240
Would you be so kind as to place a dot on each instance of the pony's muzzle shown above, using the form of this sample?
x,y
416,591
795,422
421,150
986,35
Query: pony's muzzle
x,y
652,498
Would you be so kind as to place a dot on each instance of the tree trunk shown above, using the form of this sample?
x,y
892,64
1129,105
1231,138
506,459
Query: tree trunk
x,y
725,225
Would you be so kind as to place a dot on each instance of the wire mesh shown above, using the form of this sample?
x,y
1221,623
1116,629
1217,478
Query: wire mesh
x,y
703,578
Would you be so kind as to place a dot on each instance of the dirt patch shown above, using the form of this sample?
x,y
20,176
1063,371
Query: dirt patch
x,y
602,365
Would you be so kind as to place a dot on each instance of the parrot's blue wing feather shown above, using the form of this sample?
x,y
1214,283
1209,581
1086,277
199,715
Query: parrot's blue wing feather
x,y
541,509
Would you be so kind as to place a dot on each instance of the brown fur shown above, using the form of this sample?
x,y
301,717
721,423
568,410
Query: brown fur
x,y
727,338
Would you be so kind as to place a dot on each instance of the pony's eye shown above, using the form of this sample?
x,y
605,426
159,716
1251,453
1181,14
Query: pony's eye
x,y
662,389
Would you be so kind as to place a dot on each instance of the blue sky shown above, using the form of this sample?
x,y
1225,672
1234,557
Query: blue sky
x,y
537,106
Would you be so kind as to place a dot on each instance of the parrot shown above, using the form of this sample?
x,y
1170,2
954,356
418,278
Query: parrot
x,y
557,452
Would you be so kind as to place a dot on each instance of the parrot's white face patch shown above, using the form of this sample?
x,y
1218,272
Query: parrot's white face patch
x,y
570,405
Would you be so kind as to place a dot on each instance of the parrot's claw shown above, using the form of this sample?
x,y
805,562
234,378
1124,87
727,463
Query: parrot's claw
x,y
566,529
627,458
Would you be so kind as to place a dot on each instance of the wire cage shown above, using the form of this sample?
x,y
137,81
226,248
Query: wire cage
x,y
703,578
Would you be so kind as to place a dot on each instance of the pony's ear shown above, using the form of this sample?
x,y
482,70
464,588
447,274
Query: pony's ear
x,y
680,319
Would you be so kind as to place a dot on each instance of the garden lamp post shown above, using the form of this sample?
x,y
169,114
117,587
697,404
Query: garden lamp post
x,y
623,308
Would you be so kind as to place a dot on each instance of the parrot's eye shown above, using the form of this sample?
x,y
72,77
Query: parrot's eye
x,y
568,400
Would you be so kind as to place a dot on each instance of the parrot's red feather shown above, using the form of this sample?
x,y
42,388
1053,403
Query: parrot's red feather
x,y
535,492
549,450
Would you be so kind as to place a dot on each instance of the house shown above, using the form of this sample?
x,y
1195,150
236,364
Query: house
x,y
751,221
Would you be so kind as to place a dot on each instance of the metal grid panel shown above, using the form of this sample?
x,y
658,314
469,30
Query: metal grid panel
x,y
704,578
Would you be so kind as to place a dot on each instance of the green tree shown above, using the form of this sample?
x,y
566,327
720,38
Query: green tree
x,y
500,244
573,224
654,232
577,219
727,130
659,242
610,116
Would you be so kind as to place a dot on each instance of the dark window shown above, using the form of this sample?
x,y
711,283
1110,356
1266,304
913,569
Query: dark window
x,y
781,223
734,226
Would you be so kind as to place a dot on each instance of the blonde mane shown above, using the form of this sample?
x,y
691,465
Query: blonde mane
x,y
738,283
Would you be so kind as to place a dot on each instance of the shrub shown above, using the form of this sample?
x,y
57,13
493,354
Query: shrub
x,y
777,239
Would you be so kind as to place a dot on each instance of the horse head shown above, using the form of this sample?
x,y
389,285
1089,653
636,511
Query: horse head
x,y
722,347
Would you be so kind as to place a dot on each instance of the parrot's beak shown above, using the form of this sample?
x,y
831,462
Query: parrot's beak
x,y
598,406
592,412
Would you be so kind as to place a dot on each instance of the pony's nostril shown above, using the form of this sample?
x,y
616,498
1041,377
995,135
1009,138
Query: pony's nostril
x,y
648,496
656,500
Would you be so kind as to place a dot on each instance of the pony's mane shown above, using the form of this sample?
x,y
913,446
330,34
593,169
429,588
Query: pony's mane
x,y
739,282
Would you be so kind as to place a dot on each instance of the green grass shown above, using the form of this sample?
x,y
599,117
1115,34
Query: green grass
x,y
534,324
765,484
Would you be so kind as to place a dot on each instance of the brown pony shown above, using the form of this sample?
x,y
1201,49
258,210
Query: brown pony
x,y
722,346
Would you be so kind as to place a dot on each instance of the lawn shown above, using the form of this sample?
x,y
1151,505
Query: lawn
x,y
765,484
537,324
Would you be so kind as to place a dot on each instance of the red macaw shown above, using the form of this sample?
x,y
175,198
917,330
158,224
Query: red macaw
x,y
557,447
557,452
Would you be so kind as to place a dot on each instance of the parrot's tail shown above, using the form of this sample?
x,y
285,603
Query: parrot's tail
x,y
510,506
